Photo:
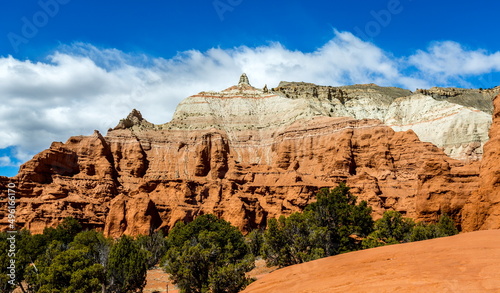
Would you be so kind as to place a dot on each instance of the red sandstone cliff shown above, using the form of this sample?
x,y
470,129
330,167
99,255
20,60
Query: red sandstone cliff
x,y
125,183
245,169
482,210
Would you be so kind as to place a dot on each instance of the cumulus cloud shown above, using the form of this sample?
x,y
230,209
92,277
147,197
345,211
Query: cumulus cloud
x,y
450,60
80,88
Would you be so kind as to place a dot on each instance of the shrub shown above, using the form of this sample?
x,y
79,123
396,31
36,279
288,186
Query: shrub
x,y
207,255
326,227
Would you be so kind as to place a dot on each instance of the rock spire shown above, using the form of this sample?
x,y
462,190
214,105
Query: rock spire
x,y
244,80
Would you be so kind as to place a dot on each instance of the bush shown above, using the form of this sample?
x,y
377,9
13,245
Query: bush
x,y
393,228
337,211
126,269
99,246
207,255
444,227
326,227
447,226
255,240
294,240
65,231
26,251
155,245
70,271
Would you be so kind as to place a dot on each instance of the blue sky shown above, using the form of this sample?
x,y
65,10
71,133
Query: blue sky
x,y
68,67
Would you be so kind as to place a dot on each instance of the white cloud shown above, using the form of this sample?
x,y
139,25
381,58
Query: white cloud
x,y
5,161
450,60
81,88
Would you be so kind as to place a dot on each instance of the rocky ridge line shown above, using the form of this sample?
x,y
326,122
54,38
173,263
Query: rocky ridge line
x,y
268,161
455,119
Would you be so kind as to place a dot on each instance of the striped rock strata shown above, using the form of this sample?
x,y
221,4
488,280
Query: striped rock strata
x,y
456,120
243,154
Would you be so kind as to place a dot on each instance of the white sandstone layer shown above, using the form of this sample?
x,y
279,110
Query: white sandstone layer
x,y
461,131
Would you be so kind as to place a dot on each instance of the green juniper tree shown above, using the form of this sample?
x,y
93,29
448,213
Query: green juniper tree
x,y
293,240
70,271
337,211
393,228
255,240
444,227
127,266
207,255
156,246
327,227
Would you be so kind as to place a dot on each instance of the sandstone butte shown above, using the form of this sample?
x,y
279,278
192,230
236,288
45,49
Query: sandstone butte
x,y
463,263
248,154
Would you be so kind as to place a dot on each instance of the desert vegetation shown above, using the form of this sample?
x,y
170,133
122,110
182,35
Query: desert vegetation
x,y
336,224
207,254
67,259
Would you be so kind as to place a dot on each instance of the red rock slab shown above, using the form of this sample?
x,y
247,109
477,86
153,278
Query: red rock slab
x,y
468,262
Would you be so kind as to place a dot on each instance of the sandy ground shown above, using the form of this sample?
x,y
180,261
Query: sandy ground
x,y
157,281
467,262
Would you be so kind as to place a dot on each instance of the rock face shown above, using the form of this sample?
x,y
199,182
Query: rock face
x,y
482,210
459,130
474,98
247,154
463,263
456,120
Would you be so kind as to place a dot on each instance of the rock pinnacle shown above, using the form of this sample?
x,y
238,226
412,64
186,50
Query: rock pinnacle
x,y
244,80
